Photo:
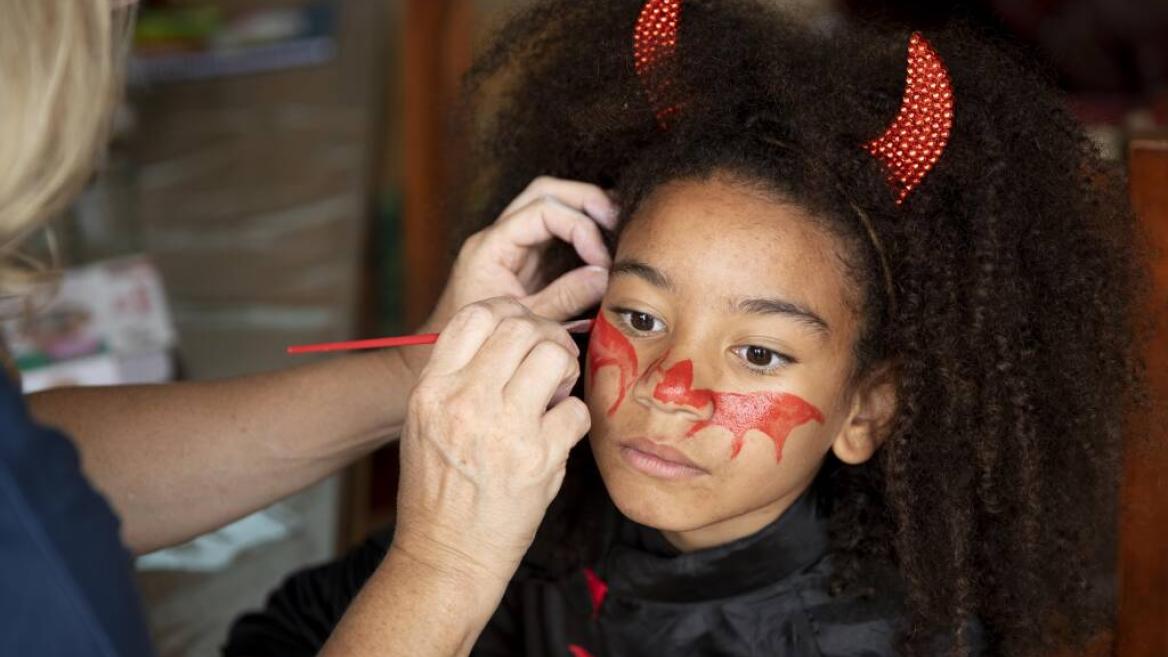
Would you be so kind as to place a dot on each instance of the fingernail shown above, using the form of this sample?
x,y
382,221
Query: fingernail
x,y
604,213
578,326
599,277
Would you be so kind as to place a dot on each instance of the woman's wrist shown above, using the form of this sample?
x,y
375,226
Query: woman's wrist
x,y
399,375
461,559
410,361
417,606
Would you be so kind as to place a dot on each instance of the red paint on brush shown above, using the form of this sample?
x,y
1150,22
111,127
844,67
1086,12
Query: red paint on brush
x,y
608,346
776,414
577,651
597,588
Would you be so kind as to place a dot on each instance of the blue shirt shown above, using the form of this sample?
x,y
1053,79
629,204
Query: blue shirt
x,y
66,581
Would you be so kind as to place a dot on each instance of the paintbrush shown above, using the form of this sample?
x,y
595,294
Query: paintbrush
x,y
578,326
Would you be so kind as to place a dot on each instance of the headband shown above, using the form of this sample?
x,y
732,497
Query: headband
x,y
908,148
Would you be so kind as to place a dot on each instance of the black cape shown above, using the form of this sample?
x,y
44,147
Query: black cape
x,y
766,594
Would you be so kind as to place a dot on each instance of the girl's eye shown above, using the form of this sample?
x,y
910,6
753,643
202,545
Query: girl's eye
x,y
761,358
641,322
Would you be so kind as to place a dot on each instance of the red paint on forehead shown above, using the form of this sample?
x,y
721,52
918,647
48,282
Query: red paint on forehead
x,y
608,346
776,414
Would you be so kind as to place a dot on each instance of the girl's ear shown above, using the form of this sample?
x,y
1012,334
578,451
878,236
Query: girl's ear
x,y
873,407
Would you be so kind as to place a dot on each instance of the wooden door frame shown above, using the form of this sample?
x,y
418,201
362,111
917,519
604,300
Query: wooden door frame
x,y
1142,624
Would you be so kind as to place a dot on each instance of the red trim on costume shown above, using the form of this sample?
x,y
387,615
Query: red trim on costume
x,y
597,588
577,651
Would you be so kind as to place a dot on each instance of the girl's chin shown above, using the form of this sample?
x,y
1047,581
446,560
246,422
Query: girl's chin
x,y
645,502
666,503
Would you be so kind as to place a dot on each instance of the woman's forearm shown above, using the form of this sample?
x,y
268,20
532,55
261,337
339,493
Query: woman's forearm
x,y
415,607
181,459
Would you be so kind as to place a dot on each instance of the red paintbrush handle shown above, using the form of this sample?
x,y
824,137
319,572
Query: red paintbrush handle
x,y
376,343
582,326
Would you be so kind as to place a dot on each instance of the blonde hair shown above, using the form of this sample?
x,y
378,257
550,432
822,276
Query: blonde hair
x,y
60,78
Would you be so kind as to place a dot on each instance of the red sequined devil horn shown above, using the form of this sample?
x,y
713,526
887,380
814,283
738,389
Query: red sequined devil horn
x,y
655,41
911,146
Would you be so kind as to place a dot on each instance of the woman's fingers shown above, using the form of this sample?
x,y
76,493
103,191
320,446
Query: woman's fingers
x,y
468,331
564,425
506,258
547,368
585,197
513,340
545,219
570,294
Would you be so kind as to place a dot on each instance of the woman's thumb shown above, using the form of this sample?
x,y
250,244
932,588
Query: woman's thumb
x,y
570,294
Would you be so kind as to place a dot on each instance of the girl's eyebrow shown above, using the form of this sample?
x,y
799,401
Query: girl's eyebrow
x,y
645,272
783,307
753,306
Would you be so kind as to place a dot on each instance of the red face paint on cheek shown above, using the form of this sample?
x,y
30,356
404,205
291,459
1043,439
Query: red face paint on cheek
x,y
606,347
776,414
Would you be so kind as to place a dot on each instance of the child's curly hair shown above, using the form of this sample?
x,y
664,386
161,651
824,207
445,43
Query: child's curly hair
x,y
1014,268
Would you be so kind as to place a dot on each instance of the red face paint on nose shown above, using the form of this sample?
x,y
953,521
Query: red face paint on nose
x,y
676,387
776,414
608,346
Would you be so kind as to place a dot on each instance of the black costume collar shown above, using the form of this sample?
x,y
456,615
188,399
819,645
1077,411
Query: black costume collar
x,y
643,564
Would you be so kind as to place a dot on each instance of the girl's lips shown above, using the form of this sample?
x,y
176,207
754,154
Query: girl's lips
x,y
658,460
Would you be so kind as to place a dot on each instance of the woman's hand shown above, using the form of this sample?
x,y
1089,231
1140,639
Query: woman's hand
x,y
504,259
482,454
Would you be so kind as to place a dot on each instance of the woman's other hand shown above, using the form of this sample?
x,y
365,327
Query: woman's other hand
x,y
504,259
482,452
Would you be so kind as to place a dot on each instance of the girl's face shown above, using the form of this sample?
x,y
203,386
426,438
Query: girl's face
x,y
719,370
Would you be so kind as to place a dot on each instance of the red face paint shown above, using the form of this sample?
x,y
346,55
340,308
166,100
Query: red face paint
x,y
775,414
608,346
676,387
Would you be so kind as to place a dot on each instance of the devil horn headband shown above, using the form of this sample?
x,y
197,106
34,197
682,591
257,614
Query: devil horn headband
x,y
909,148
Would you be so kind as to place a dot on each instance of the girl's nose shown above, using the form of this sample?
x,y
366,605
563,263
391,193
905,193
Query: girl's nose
x,y
668,387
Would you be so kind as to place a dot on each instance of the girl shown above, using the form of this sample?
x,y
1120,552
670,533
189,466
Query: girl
x,y
858,379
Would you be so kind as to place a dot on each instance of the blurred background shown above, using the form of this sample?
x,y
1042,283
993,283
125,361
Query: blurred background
x,y
278,177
